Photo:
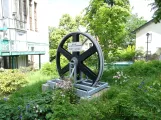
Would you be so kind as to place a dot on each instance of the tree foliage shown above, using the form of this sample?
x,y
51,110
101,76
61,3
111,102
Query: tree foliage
x,y
157,7
106,19
67,24
133,22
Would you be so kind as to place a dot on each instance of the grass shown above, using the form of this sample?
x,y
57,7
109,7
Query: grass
x,y
34,77
137,98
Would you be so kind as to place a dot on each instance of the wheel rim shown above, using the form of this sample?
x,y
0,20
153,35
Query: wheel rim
x,y
81,67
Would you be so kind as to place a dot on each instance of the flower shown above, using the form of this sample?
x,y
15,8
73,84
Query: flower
x,y
37,106
145,90
20,117
18,107
5,99
114,76
142,82
140,86
63,95
118,72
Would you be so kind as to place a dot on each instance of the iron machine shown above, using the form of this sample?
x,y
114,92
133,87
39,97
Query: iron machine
x,y
80,58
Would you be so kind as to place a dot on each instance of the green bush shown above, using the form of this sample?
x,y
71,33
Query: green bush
x,y
142,68
25,69
127,54
64,105
29,104
49,69
11,80
108,75
138,69
36,108
138,98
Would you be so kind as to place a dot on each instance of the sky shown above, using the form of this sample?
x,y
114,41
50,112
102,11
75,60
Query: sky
x,y
56,8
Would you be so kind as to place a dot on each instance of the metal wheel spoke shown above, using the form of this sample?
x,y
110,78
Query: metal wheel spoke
x,y
78,57
65,69
87,53
75,37
88,72
65,53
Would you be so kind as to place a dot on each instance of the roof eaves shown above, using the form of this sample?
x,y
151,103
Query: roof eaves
x,y
152,20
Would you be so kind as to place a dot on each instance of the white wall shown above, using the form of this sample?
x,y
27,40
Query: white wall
x,y
42,35
141,38
31,36
22,61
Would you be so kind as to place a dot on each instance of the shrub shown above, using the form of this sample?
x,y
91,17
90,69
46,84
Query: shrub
x,y
120,78
63,105
11,80
108,75
49,69
142,68
25,69
32,109
127,54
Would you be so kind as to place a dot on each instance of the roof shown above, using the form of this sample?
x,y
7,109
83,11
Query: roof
x,y
144,25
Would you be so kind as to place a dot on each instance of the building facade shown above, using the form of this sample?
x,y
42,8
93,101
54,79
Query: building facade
x,y
148,38
24,37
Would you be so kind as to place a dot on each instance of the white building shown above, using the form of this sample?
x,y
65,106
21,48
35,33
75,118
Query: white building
x,y
23,33
148,38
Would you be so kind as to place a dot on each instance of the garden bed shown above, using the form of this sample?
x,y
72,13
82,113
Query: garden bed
x,y
134,95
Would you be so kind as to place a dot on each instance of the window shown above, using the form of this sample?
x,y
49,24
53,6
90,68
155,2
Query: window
x,y
30,13
35,15
24,10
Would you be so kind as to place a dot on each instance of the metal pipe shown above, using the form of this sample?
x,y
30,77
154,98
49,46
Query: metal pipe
x,y
2,8
147,46
39,61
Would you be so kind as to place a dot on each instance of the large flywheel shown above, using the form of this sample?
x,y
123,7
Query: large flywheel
x,y
82,58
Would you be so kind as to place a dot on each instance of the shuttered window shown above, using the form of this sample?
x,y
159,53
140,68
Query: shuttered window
x,y
35,15
24,10
30,13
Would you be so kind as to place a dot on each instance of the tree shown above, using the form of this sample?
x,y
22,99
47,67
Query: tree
x,y
157,7
67,24
133,22
106,19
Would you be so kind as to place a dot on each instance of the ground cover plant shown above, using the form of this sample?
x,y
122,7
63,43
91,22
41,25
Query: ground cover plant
x,y
29,101
134,94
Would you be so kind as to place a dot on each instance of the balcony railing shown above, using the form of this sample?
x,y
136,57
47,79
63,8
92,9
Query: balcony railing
x,y
13,24
8,42
21,46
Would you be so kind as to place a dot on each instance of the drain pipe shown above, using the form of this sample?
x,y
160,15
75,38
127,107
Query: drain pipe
x,y
2,7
